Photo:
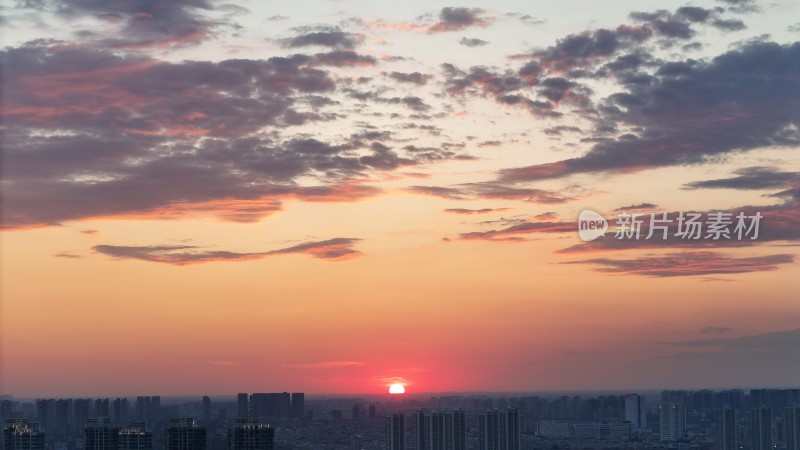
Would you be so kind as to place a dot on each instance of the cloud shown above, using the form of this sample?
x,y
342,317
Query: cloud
x,y
636,207
344,58
687,264
472,42
413,77
142,24
515,232
68,255
774,341
715,330
464,211
326,365
454,19
332,37
688,117
750,178
493,191
180,255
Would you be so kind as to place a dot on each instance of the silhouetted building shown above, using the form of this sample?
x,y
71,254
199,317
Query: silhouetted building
x,y
101,408
121,410
243,406
396,431
183,433
46,413
635,411
672,421
99,434
19,434
206,409
135,438
249,434
761,428
791,427
81,408
298,405
455,430
499,429
725,429
422,430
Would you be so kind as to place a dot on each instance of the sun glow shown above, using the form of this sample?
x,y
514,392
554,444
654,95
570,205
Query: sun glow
x,y
397,388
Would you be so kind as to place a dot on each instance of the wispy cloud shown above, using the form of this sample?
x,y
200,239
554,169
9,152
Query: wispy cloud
x,y
325,365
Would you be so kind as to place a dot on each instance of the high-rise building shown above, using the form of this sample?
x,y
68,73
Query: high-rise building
x,y
499,429
243,406
672,421
183,433
635,411
120,411
455,430
99,434
135,438
791,427
249,434
422,430
761,428
101,408
396,431
19,434
725,429
46,413
80,412
206,409
63,417
298,405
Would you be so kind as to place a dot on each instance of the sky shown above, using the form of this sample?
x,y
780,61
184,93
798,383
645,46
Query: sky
x,y
201,196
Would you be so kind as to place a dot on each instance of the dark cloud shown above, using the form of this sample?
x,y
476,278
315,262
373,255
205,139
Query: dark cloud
x,y
516,232
687,264
454,19
750,178
464,211
413,77
180,255
67,255
332,37
472,42
344,58
636,207
729,24
715,330
690,116
776,341
142,23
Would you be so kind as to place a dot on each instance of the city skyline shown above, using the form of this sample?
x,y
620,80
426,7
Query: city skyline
x,y
206,197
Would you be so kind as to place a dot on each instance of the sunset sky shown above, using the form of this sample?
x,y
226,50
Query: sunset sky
x,y
333,196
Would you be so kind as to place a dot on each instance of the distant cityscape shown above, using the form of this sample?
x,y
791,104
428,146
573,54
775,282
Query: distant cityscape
x,y
757,419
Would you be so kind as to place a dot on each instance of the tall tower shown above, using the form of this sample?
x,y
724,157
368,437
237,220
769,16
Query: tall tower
x,y
791,426
761,428
183,433
100,435
19,434
422,430
455,430
135,438
243,406
635,411
672,421
499,430
725,432
396,431
249,434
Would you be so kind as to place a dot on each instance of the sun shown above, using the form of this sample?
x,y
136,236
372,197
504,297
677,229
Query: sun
x,y
397,388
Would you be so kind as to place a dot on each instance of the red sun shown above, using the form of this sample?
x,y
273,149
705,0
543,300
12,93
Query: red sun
x,y
397,388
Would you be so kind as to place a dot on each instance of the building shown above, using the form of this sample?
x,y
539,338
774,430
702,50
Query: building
x,y
455,430
499,429
249,434
183,433
101,408
19,434
549,429
298,405
635,411
615,431
206,409
422,430
672,421
135,438
761,428
396,431
243,406
725,429
791,427
99,434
